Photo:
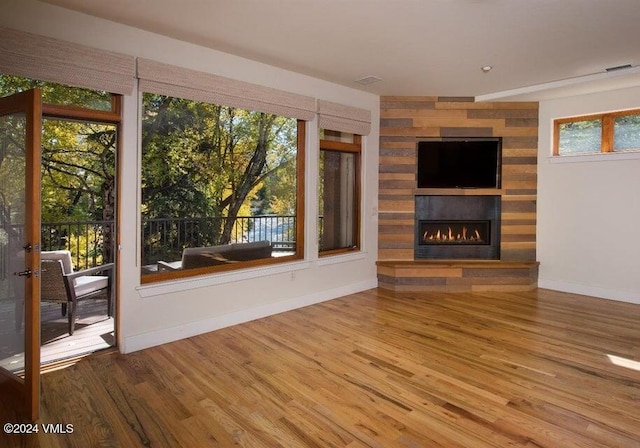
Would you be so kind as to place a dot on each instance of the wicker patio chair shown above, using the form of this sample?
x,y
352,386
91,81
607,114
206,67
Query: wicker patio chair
x,y
59,283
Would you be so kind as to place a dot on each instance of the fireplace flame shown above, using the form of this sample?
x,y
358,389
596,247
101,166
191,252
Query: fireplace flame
x,y
448,236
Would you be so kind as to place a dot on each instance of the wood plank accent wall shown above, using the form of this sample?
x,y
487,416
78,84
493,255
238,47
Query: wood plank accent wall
x,y
403,120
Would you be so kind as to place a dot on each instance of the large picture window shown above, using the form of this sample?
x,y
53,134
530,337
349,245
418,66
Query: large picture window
x,y
594,134
220,187
339,192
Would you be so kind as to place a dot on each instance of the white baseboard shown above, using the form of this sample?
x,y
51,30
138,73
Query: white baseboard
x,y
590,290
151,339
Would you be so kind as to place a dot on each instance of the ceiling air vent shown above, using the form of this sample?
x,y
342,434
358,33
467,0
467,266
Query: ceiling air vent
x,y
368,80
619,67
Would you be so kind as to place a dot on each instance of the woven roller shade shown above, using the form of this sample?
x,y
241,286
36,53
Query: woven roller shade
x,y
339,117
48,59
165,79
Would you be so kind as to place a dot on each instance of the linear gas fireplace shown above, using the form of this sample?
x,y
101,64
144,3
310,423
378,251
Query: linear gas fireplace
x,y
455,232
457,227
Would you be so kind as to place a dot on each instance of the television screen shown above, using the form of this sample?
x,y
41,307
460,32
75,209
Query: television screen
x,y
459,163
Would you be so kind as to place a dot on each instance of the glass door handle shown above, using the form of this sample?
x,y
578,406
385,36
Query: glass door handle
x,y
25,273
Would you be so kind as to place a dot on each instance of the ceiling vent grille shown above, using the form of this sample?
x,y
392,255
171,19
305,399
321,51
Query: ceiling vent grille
x,y
619,67
368,80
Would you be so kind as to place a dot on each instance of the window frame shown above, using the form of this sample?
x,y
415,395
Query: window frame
x,y
356,149
607,134
112,116
184,274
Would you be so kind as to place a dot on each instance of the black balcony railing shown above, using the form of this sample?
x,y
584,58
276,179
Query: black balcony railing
x,y
164,239
92,242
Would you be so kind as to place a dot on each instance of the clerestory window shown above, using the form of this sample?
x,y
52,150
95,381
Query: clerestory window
x,y
595,134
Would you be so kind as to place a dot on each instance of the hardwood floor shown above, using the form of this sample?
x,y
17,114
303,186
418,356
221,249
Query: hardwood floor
x,y
373,369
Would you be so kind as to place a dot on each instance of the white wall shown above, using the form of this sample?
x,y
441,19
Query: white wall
x,y
154,314
589,208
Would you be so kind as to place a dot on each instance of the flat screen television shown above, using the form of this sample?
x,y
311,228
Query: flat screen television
x,y
459,163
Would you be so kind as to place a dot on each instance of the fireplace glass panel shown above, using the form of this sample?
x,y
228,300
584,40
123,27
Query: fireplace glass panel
x,y
455,232
457,218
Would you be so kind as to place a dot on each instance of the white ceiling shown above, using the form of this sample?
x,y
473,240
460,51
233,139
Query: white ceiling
x,y
416,47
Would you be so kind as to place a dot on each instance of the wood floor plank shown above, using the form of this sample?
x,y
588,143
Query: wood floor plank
x,y
372,369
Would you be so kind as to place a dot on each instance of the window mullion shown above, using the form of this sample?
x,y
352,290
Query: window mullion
x,y
556,137
607,133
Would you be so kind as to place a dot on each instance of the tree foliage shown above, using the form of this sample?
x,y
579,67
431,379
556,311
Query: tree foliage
x,y
78,167
53,93
206,160
78,157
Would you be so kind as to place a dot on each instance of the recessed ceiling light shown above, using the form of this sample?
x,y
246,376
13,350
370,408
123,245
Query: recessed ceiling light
x,y
368,80
486,68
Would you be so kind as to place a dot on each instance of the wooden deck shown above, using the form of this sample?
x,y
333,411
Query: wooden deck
x,y
94,331
373,369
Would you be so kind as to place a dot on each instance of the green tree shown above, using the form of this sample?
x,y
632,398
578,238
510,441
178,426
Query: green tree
x,y
208,160
53,93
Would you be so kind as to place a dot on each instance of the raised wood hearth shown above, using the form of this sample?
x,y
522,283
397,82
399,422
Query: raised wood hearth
x,y
457,276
